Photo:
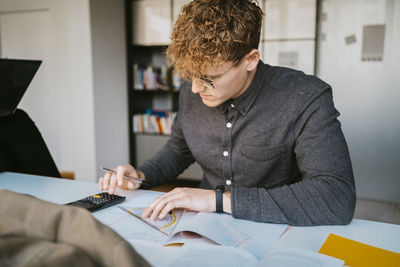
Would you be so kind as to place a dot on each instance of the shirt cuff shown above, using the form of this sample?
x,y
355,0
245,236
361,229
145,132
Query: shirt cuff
x,y
245,203
255,204
147,183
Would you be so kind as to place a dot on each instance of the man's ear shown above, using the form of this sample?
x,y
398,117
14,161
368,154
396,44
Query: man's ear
x,y
253,57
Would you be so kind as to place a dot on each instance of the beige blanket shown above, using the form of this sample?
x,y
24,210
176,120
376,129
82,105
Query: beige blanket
x,y
38,233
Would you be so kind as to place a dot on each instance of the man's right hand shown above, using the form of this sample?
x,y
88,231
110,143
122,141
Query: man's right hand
x,y
110,180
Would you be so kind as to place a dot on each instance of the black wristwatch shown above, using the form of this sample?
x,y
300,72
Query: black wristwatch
x,y
219,191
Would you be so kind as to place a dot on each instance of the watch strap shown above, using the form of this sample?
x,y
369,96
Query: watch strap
x,y
219,191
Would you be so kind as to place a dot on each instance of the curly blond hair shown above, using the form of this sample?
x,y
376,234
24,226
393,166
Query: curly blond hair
x,y
211,32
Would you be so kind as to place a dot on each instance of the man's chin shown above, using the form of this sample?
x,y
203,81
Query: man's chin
x,y
210,103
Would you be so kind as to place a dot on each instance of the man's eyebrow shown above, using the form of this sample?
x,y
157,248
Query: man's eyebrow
x,y
213,77
210,77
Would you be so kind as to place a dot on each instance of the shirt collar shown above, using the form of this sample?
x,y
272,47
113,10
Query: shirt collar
x,y
244,102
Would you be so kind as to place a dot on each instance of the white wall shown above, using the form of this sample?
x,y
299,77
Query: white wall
x,y
60,98
288,37
367,93
78,98
110,83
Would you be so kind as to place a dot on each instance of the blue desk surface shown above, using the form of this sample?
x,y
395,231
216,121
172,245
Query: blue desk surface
x,y
54,190
61,191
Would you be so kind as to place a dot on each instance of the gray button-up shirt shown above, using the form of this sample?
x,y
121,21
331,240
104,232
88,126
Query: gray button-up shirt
x,y
278,148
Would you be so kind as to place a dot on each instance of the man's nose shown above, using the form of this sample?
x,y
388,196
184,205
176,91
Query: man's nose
x,y
197,86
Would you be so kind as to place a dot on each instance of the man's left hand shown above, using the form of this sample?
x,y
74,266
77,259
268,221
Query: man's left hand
x,y
181,198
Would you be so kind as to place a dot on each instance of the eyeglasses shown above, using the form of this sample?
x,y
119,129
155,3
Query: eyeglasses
x,y
209,81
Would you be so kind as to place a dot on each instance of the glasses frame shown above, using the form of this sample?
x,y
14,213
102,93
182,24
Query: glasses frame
x,y
209,83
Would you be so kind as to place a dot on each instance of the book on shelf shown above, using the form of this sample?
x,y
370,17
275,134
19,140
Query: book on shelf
x,y
157,122
148,77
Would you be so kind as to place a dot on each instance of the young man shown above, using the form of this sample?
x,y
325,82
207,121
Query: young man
x,y
267,138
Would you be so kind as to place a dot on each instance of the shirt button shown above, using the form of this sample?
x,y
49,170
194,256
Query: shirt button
x,y
232,105
226,153
229,125
228,182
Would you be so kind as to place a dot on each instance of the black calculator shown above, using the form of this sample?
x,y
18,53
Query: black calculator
x,y
98,201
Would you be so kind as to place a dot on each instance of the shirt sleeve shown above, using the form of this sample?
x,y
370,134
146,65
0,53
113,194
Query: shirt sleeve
x,y
173,158
325,195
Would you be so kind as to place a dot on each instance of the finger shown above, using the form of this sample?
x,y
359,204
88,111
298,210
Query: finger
x,y
180,201
106,180
157,209
134,183
169,207
163,202
147,211
101,183
132,172
175,193
130,185
151,207
120,174
113,184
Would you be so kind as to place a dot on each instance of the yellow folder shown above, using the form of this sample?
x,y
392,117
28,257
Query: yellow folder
x,y
358,254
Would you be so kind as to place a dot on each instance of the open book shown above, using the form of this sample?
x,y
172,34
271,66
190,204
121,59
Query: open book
x,y
240,242
222,229
210,228
192,255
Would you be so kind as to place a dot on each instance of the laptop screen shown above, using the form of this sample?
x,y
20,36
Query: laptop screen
x,y
15,77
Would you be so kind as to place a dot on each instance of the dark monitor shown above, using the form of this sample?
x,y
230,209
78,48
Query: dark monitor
x,y
15,77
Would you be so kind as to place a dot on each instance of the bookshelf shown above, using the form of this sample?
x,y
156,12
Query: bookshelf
x,y
154,91
153,97
152,88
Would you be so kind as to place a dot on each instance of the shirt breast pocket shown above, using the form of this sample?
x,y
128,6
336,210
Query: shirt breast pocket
x,y
266,166
263,153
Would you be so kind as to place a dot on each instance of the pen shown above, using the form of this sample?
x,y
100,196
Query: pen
x,y
126,176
